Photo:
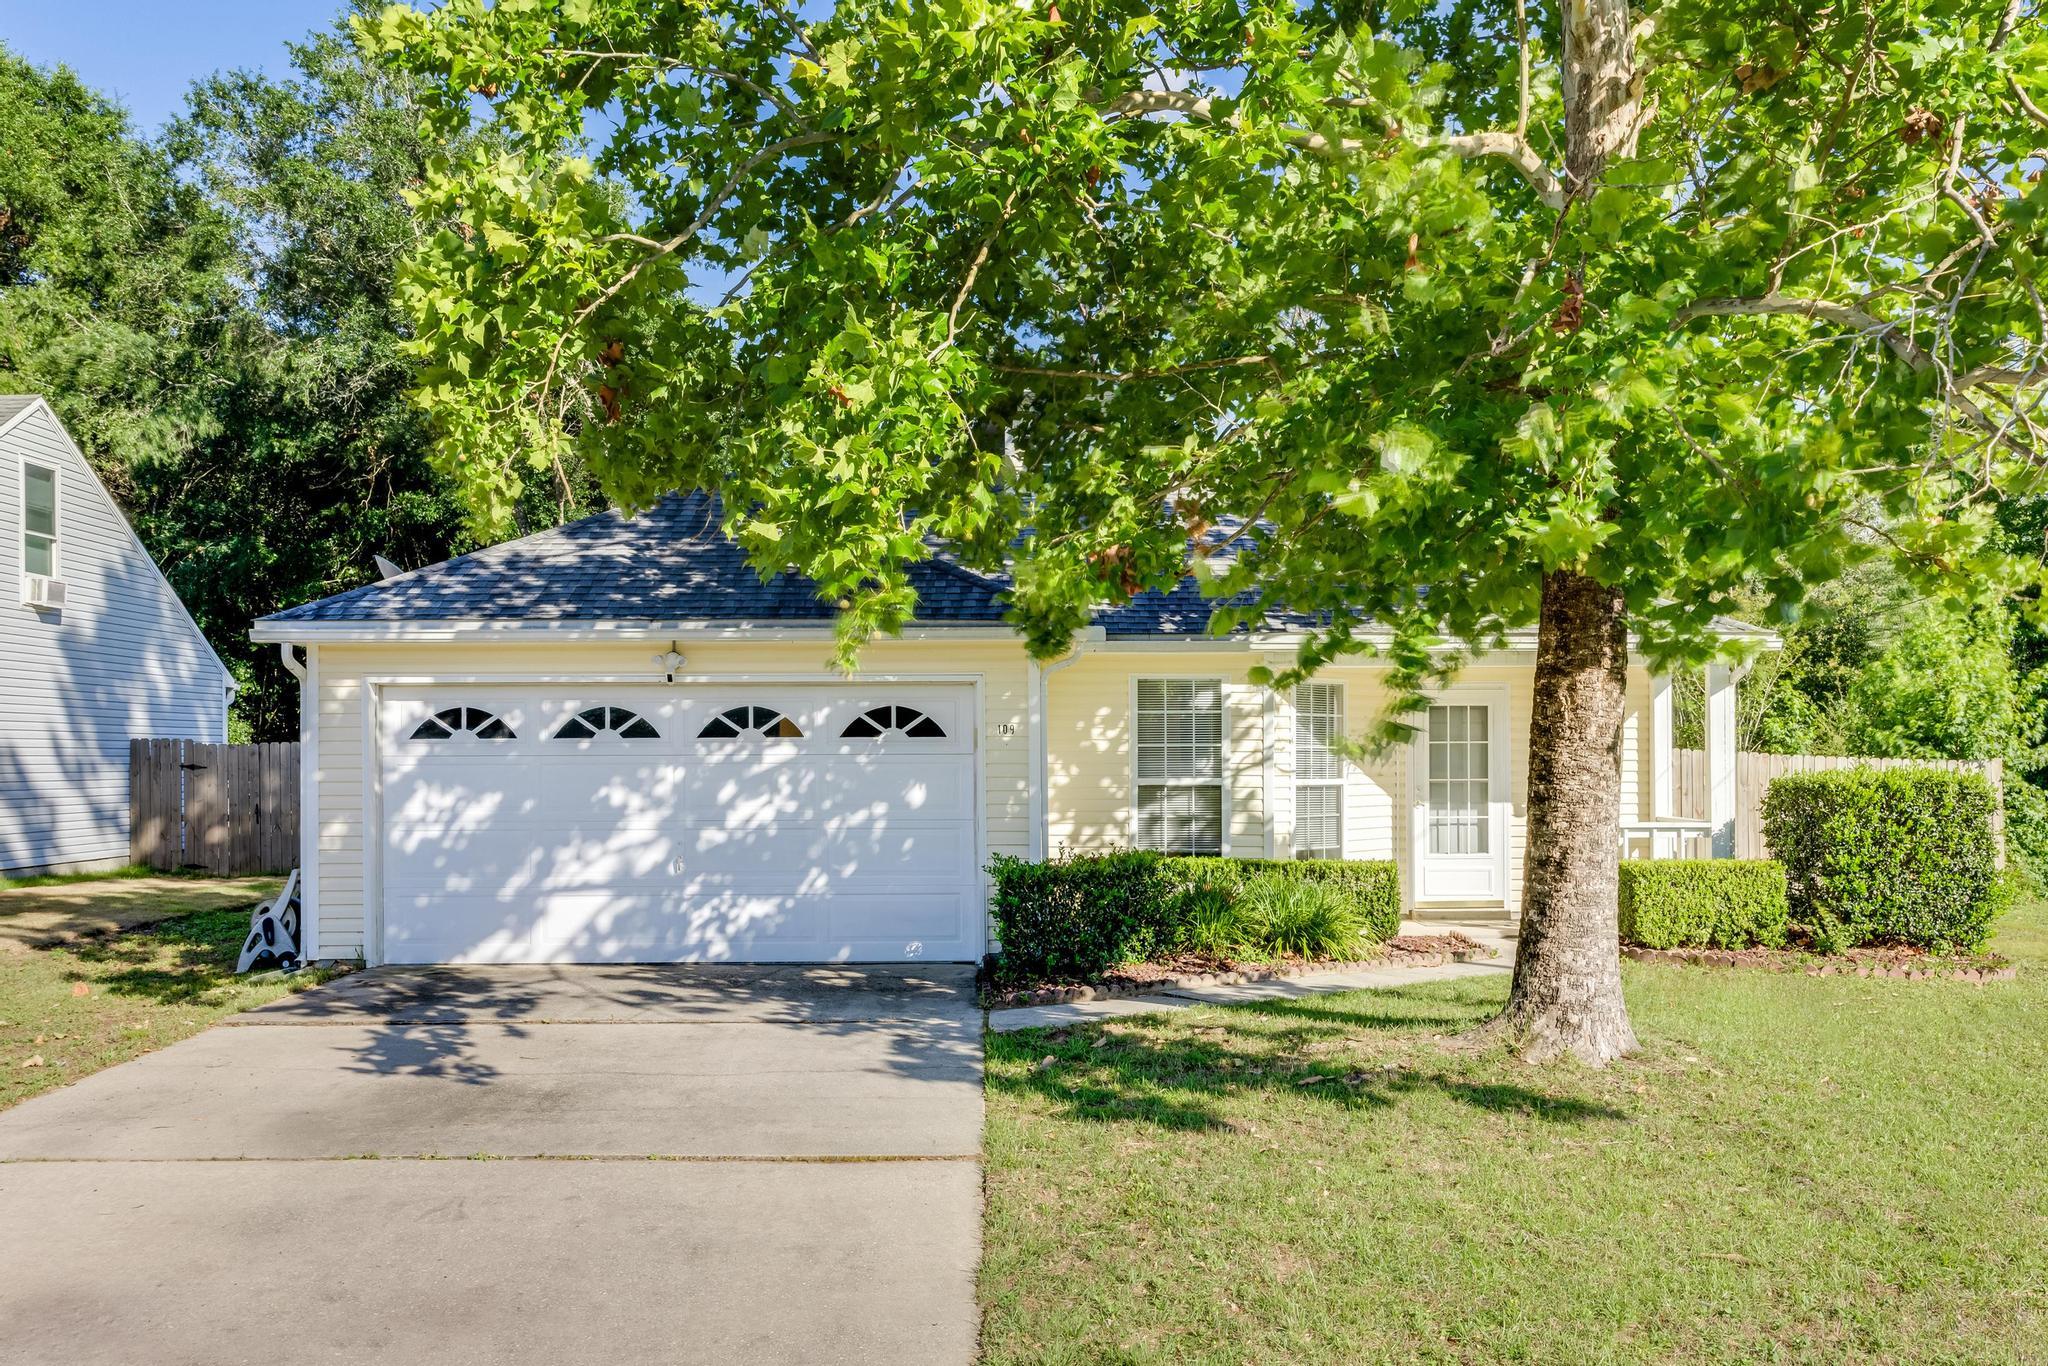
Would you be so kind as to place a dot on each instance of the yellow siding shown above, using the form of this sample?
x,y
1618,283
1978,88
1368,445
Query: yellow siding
x,y
346,789
1089,784
1088,764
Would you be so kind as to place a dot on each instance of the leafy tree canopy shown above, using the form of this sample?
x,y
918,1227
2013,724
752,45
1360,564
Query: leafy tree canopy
x,y
1117,271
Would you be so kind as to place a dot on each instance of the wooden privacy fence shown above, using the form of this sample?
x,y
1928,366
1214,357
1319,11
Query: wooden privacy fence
x,y
227,809
1754,772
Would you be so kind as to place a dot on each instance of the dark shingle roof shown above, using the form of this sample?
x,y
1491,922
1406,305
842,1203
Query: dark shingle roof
x,y
670,563
13,405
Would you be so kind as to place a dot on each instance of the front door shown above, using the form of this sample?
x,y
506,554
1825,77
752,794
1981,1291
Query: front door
x,y
1461,801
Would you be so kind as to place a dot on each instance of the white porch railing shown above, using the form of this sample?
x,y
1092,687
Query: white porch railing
x,y
1666,838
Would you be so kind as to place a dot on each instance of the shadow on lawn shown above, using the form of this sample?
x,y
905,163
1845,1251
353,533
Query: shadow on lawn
x,y
175,962
1178,1080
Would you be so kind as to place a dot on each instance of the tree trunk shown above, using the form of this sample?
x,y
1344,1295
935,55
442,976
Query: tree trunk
x,y
1566,997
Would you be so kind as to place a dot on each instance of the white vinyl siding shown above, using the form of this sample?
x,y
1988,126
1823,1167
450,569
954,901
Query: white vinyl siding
x,y
121,660
1178,765
1318,771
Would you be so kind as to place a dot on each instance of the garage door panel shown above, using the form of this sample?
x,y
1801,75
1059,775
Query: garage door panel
x,y
680,849
506,864
471,794
813,787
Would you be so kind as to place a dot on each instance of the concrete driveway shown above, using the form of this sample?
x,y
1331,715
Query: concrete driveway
x,y
507,1165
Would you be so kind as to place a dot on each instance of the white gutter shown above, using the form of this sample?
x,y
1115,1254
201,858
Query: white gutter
x,y
441,632
1041,741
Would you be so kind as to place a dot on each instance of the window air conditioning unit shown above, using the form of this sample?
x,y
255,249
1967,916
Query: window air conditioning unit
x,y
40,590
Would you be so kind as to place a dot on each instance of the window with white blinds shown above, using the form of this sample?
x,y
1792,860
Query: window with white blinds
x,y
1179,765
1318,771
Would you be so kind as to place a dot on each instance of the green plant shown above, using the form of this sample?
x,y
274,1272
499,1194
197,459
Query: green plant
x,y
1210,920
1076,917
1896,855
1695,903
1373,886
1301,918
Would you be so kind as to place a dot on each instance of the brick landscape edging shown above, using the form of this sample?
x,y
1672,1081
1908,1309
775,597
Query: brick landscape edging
x,y
1720,958
1113,991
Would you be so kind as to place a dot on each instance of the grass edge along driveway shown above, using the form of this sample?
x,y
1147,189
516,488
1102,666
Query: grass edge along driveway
x,y
69,1009
1794,1168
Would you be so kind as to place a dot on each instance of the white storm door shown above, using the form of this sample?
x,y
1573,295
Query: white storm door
x,y
1459,766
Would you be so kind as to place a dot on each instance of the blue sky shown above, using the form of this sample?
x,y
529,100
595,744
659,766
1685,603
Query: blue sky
x,y
146,53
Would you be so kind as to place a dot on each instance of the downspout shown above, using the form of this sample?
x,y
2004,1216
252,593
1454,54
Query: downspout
x,y
1041,748
309,796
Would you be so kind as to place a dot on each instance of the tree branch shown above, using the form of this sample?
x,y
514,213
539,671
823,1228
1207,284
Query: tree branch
x,y
1954,387
1513,148
973,271
1123,376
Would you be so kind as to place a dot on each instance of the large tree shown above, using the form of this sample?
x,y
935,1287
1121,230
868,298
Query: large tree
x,y
1580,315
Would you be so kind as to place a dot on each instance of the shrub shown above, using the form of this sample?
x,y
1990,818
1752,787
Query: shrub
x,y
1301,917
1211,921
1698,903
1373,887
1896,855
1074,918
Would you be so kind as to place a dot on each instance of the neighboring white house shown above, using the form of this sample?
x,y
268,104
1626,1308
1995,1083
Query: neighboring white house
x,y
612,741
95,648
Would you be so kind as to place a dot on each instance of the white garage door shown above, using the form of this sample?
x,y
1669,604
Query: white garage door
x,y
658,824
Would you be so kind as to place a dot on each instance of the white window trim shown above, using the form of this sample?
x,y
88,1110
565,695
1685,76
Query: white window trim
x,y
1223,768
56,518
1340,783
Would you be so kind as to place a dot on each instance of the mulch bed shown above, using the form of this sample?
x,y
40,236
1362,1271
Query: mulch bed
x,y
1907,964
1194,970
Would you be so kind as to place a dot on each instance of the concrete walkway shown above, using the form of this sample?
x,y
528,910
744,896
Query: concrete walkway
x,y
1491,936
683,1165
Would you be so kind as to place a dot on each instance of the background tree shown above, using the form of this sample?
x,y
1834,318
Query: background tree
x,y
116,291
212,312
1581,315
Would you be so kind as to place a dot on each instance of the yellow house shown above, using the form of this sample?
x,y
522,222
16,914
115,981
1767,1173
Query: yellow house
x,y
613,742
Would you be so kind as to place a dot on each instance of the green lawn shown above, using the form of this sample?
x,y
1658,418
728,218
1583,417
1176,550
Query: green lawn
x,y
1794,1168
142,990
132,870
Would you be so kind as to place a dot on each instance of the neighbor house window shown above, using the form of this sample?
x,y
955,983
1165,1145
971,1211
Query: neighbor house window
x,y
1318,771
39,520
1179,764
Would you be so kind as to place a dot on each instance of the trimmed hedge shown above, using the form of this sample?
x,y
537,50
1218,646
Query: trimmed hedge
x,y
1703,903
1891,855
1074,918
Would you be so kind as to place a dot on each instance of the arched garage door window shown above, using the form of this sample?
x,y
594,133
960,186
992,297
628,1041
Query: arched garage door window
x,y
877,722
750,721
450,722
592,722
